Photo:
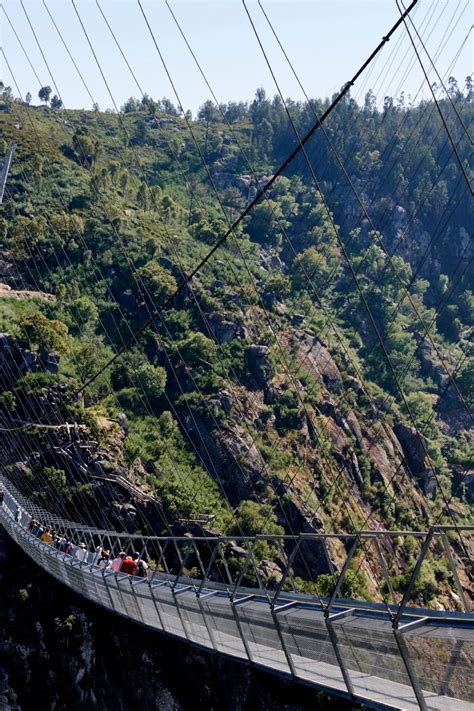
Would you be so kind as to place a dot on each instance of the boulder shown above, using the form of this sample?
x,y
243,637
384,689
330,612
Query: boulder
x,y
414,449
6,268
468,483
257,362
431,364
355,471
50,362
225,401
16,359
317,359
413,446
228,455
297,319
222,328
428,482
269,570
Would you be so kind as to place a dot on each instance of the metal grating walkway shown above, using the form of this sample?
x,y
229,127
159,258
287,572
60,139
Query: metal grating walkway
x,y
353,653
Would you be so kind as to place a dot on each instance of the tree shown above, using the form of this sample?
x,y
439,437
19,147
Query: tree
x,y
208,113
420,406
3,231
168,207
155,195
130,106
141,132
465,381
264,220
142,381
196,349
28,98
84,146
46,334
44,93
310,269
123,181
84,315
89,356
142,196
27,234
155,283
56,102
252,518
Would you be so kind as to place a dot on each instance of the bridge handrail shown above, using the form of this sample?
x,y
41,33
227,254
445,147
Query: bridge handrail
x,y
252,603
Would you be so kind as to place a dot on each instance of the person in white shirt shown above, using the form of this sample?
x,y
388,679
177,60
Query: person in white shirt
x,y
116,564
81,552
104,559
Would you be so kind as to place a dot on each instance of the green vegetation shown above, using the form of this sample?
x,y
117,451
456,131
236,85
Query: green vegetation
x,y
103,217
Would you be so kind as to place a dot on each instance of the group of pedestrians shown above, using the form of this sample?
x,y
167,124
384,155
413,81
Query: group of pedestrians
x,y
123,563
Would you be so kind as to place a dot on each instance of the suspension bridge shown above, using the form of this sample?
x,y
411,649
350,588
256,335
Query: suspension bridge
x,y
388,657
210,591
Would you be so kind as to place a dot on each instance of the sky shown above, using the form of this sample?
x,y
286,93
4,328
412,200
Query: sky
x,y
327,40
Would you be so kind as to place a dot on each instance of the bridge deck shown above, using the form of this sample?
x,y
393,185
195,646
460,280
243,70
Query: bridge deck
x,y
296,641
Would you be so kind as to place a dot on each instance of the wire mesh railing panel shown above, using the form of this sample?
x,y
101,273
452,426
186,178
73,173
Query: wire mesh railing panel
x,y
171,621
222,620
261,635
370,651
443,660
194,593
148,611
118,599
306,636
193,619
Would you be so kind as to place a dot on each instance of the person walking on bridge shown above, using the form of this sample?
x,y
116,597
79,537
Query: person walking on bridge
x,y
129,566
38,530
67,547
142,567
47,536
104,559
81,552
118,561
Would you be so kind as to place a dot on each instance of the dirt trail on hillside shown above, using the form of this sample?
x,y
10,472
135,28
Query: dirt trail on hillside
x,y
7,291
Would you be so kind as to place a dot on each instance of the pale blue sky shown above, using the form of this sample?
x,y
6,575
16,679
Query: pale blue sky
x,y
326,39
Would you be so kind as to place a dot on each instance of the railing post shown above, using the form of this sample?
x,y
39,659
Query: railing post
x,y
105,576
329,560
414,575
335,645
452,565
398,634
206,623
244,569
450,666
158,613
162,556
385,571
289,659
182,561
286,571
233,605
209,568
224,562
341,577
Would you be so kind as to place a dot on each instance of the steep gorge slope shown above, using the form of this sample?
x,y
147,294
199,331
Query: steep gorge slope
x,y
262,397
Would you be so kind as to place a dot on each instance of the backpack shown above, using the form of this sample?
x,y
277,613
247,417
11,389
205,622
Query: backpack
x,y
142,569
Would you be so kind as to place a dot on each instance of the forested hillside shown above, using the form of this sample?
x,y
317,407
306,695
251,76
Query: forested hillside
x,y
315,375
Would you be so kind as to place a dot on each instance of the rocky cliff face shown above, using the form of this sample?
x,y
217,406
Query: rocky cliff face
x,y
59,652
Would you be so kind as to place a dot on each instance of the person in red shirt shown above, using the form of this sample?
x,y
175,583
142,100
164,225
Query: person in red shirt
x,y
129,566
